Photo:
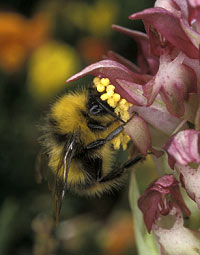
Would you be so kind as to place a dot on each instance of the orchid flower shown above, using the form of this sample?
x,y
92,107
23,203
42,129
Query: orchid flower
x,y
163,88
154,202
177,239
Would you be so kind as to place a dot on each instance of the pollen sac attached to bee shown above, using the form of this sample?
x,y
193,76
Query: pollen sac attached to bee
x,y
120,106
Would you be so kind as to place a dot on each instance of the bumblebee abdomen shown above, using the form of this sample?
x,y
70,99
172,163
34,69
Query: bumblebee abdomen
x,y
93,167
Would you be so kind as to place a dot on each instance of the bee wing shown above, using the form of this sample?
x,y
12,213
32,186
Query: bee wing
x,y
60,181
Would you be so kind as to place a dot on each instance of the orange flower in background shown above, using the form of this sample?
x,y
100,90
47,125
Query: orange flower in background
x,y
18,37
92,49
118,235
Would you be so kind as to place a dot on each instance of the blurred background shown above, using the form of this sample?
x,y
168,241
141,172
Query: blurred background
x,y
42,43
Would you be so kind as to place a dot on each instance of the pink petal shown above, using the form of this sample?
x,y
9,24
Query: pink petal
x,y
158,116
177,7
194,10
118,58
154,198
194,3
197,119
133,91
146,61
151,89
177,240
107,68
174,81
169,5
137,129
191,33
148,204
158,44
183,7
195,67
183,147
112,70
169,26
167,184
176,194
164,184
191,180
173,97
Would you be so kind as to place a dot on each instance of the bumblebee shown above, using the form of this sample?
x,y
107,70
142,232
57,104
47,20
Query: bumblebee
x,y
78,141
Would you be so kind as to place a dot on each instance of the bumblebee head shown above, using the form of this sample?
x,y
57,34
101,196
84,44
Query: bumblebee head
x,y
67,111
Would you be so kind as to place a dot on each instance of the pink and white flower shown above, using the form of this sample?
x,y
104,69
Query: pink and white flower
x,y
156,200
164,88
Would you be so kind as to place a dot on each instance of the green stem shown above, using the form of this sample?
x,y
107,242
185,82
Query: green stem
x,y
146,243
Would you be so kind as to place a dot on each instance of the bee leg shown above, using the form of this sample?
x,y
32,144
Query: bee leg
x,y
133,161
91,164
101,142
95,127
117,172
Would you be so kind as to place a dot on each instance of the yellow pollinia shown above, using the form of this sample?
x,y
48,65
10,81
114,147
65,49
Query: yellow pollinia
x,y
119,104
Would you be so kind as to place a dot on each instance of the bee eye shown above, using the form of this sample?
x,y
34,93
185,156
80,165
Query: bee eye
x,y
95,109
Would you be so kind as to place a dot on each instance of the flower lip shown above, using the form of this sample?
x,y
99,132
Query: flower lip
x,y
177,240
190,179
174,81
155,200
